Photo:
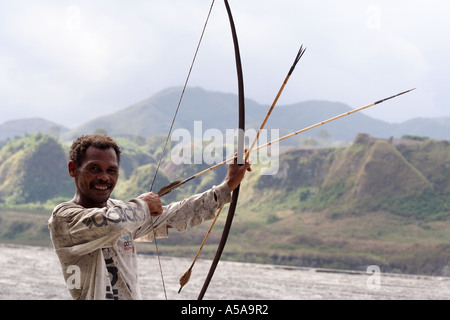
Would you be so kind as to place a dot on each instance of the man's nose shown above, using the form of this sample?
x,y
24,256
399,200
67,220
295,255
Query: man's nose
x,y
103,176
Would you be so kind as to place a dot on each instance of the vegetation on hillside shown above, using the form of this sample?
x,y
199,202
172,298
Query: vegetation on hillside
x,y
33,169
376,201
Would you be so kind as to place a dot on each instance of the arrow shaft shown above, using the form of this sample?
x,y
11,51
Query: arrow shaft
x,y
328,120
313,126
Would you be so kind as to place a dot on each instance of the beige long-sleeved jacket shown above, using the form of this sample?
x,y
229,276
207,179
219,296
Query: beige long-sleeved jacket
x,y
96,246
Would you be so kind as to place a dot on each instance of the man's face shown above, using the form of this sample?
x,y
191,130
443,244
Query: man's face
x,y
96,178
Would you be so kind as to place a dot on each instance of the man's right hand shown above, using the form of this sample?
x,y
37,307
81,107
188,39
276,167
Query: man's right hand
x,y
236,173
154,203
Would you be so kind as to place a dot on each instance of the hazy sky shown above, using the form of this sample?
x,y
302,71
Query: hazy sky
x,y
71,61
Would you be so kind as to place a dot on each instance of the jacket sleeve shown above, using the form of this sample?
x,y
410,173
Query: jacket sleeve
x,y
187,213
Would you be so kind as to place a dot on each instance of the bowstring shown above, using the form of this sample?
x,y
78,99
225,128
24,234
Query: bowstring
x,y
168,136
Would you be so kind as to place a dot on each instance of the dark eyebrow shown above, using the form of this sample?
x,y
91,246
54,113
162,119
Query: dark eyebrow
x,y
93,164
96,164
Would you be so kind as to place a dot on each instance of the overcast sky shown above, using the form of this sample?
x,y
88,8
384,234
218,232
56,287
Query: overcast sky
x,y
71,61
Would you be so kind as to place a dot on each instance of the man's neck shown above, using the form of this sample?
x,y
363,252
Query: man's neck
x,y
77,199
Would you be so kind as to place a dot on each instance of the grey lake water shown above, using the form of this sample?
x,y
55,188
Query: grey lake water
x,y
34,273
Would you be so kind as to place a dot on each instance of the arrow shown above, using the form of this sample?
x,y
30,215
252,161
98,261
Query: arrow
x,y
297,59
184,279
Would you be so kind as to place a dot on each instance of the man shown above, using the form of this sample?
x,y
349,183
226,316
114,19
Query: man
x,y
94,235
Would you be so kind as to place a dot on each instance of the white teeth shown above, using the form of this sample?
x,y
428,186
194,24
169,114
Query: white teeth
x,y
101,187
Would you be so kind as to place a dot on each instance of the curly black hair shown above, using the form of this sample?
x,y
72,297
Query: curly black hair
x,y
100,141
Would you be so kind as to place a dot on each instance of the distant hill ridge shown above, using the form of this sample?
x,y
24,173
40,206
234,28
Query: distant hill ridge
x,y
18,128
218,110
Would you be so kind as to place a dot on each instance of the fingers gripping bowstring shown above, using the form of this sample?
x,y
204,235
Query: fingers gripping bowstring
x,y
168,136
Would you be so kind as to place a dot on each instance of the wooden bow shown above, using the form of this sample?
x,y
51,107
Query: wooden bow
x,y
240,155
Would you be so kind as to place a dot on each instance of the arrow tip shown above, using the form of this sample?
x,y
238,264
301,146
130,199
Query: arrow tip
x,y
297,59
399,94
405,92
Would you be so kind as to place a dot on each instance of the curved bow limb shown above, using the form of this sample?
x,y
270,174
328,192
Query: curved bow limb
x,y
240,154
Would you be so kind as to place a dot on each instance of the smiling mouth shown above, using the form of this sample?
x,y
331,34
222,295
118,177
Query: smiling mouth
x,y
100,187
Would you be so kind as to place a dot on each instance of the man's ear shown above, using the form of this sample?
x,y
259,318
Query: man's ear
x,y
72,169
